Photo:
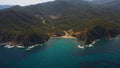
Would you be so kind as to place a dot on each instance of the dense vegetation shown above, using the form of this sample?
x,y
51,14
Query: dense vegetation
x,y
36,23
23,28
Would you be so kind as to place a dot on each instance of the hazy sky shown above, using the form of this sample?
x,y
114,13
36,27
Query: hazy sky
x,y
21,2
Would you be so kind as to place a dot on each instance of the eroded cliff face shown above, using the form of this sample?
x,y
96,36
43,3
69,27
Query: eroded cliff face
x,y
97,32
22,38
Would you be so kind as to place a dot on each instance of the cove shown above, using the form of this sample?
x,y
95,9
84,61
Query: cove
x,y
63,53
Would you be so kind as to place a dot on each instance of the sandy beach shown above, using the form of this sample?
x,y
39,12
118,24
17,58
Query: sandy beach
x,y
67,37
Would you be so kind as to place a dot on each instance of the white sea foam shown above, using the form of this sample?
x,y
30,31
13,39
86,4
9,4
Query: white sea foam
x,y
31,47
18,46
12,46
79,46
93,42
90,45
9,46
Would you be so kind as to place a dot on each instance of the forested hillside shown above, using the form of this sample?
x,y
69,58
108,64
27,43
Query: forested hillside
x,y
37,23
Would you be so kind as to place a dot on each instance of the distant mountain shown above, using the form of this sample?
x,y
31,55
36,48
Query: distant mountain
x,y
64,8
99,1
114,4
111,5
5,6
35,24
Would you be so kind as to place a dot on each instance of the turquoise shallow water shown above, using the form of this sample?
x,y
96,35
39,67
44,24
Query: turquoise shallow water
x,y
63,53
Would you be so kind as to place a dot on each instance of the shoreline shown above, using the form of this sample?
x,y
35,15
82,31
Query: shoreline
x,y
64,37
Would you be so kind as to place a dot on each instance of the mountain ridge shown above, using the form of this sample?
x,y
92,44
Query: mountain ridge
x,y
5,6
100,2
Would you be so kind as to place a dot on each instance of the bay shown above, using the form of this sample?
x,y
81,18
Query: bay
x,y
63,53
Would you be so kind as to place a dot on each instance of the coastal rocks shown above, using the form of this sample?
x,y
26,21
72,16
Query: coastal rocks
x,y
95,33
22,39
12,45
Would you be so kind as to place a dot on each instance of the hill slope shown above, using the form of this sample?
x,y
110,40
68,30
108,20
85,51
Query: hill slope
x,y
36,23
23,28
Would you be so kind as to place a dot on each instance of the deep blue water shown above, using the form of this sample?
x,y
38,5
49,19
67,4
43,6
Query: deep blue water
x,y
63,53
